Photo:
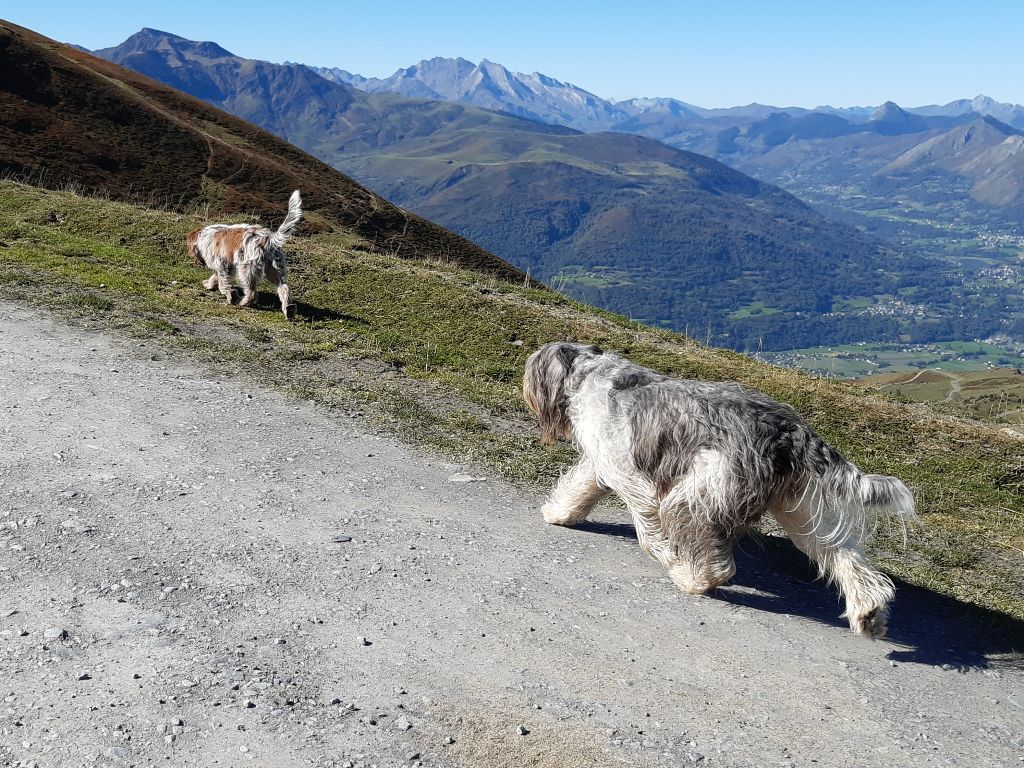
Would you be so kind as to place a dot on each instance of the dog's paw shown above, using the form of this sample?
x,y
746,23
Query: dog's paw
x,y
555,515
873,623
689,582
290,311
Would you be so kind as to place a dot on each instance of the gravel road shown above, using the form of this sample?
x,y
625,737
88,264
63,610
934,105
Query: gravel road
x,y
196,572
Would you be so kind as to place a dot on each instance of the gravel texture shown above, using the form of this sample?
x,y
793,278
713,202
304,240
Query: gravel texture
x,y
194,572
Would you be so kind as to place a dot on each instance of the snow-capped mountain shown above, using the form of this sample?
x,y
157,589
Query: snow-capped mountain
x,y
492,86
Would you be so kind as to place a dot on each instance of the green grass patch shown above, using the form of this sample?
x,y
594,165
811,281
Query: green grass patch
x,y
436,354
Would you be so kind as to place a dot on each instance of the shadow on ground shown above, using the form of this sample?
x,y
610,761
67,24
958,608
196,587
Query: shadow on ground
x,y
926,627
268,302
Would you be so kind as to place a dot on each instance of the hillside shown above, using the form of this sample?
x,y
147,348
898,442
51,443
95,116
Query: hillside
x,y
993,395
220,548
67,117
436,353
327,593
987,154
851,163
661,234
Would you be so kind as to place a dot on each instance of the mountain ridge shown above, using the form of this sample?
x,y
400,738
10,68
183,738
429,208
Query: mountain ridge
x,y
621,220
68,116
451,79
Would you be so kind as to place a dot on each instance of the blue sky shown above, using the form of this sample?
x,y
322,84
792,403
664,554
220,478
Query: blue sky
x,y
707,53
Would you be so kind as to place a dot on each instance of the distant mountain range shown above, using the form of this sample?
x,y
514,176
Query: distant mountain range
x,y
490,85
660,234
540,97
844,158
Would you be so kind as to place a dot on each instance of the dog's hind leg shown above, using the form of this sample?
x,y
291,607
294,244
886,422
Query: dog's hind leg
x,y
575,494
866,590
277,276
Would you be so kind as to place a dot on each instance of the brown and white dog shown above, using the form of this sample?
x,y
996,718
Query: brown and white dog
x,y
249,251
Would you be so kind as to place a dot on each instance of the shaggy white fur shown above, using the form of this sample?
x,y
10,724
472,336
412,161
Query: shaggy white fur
x,y
698,462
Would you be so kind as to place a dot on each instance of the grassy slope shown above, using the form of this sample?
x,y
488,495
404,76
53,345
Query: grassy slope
x,y
66,115
995,395
429,350
692,237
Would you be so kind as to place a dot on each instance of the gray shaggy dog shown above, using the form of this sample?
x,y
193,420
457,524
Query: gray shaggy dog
x,y
698,462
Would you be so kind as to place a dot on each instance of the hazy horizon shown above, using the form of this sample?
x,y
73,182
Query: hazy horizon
x,y
799,54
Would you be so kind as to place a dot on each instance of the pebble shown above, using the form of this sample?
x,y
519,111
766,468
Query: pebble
x,y
77,525
403,723
522,730
279,641
340,539
85,676
462,477
54,633
249,704
363,641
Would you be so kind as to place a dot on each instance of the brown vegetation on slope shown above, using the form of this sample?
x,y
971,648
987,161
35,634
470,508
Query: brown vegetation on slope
x,y
67,116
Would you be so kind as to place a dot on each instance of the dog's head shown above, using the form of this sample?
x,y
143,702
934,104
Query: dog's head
x,y
547,386
192,241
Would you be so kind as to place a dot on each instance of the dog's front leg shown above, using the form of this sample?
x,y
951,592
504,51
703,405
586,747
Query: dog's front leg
x,y
249,277
575,495
224,284
210,283
703,559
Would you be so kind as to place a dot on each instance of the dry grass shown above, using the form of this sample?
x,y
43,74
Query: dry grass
x,y
436,354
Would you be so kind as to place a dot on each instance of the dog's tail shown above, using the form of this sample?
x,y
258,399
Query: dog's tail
x,y
846,502
291,220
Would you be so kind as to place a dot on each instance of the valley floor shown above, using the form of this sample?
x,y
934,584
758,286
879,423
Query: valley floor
x,y
177,587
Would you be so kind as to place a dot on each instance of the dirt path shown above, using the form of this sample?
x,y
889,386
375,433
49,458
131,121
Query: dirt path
x,y
954,383
175,532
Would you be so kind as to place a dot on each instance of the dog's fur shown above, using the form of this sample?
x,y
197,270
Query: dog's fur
x,y
698,462
248,251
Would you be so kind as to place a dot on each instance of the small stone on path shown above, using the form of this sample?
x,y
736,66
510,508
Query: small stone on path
x,y
462,477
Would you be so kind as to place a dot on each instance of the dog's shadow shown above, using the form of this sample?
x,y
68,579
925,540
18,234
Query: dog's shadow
x,y
927,627
268,302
